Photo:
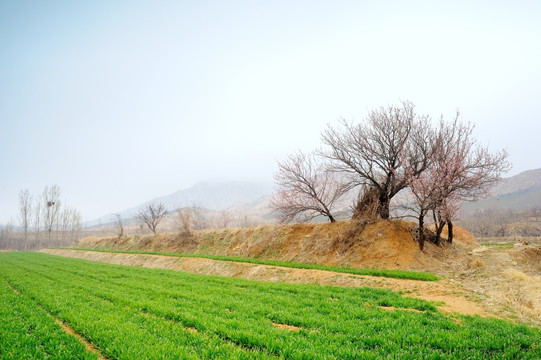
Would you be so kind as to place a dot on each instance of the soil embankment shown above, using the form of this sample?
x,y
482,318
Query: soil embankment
x,y
385,244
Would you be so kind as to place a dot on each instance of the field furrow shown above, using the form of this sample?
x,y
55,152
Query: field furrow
x,y
28,332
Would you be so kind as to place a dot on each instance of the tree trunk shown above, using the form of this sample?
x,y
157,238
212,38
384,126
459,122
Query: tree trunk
x,y
449,231
439,229
331,218
384,206
421,231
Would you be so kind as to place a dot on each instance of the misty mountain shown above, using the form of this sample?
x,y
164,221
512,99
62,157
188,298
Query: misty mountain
x,y
517,193
215,196
212,196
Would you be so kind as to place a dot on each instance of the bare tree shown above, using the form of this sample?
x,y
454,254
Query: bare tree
x,y
119,224
51,202
371,153
6,236
306,189
481,222
37,220
65,223
183,222
25,213
224,218
502,220
199,220
76,224
152,215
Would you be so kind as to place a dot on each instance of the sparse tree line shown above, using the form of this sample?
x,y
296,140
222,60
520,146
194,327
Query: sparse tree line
x,y
439,166
155,218
503,223
43,221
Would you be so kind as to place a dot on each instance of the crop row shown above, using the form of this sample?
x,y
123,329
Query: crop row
x,y
389,273
133,313
28,332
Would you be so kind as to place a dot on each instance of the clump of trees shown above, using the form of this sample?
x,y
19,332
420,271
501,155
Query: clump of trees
x,y
43,221
394,149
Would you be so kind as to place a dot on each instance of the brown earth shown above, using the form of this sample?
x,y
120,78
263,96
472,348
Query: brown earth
x,y
384,244
508,278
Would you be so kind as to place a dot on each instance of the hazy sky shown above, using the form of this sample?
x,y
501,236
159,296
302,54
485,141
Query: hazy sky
x,y
118,102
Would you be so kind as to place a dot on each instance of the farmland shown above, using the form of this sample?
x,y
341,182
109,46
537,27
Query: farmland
x,y
134,313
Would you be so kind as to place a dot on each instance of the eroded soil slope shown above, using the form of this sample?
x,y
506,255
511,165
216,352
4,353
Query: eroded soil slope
x,y
384,244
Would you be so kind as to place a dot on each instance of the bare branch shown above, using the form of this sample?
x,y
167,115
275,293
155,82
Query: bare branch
x,y
370,153
152,215
306,189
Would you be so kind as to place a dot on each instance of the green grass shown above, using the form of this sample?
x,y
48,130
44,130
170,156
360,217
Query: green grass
x,y
397,274
28,332
138,313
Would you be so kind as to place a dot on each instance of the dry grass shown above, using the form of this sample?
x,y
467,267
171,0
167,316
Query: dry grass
x,y
531,240
514,274
381,244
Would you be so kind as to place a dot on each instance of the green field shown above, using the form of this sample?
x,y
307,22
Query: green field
x,y
137,313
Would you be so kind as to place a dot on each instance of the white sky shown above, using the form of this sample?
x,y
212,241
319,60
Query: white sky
x,y
118,102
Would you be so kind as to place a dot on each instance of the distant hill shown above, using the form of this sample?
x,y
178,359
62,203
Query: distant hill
x,y
212,196
215,196
518,193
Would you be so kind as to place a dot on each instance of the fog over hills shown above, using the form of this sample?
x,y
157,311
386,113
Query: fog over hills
x,y
208,195
518,193
215,196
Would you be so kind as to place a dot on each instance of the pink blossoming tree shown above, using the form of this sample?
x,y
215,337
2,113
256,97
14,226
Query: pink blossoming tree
x,y
458,170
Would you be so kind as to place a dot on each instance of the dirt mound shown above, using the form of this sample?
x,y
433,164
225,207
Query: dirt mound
x,y
529,256
462,237
381,244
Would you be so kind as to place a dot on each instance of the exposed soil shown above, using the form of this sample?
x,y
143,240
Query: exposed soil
x,y
384,244
450,298
69,330
508,278
286,327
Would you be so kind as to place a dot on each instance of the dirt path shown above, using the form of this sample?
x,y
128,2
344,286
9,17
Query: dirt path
x,y
508,277
450,297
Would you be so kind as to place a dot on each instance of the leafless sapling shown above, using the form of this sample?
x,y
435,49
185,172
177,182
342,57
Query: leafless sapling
x,y
119,224
51,206
152,215
25,213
